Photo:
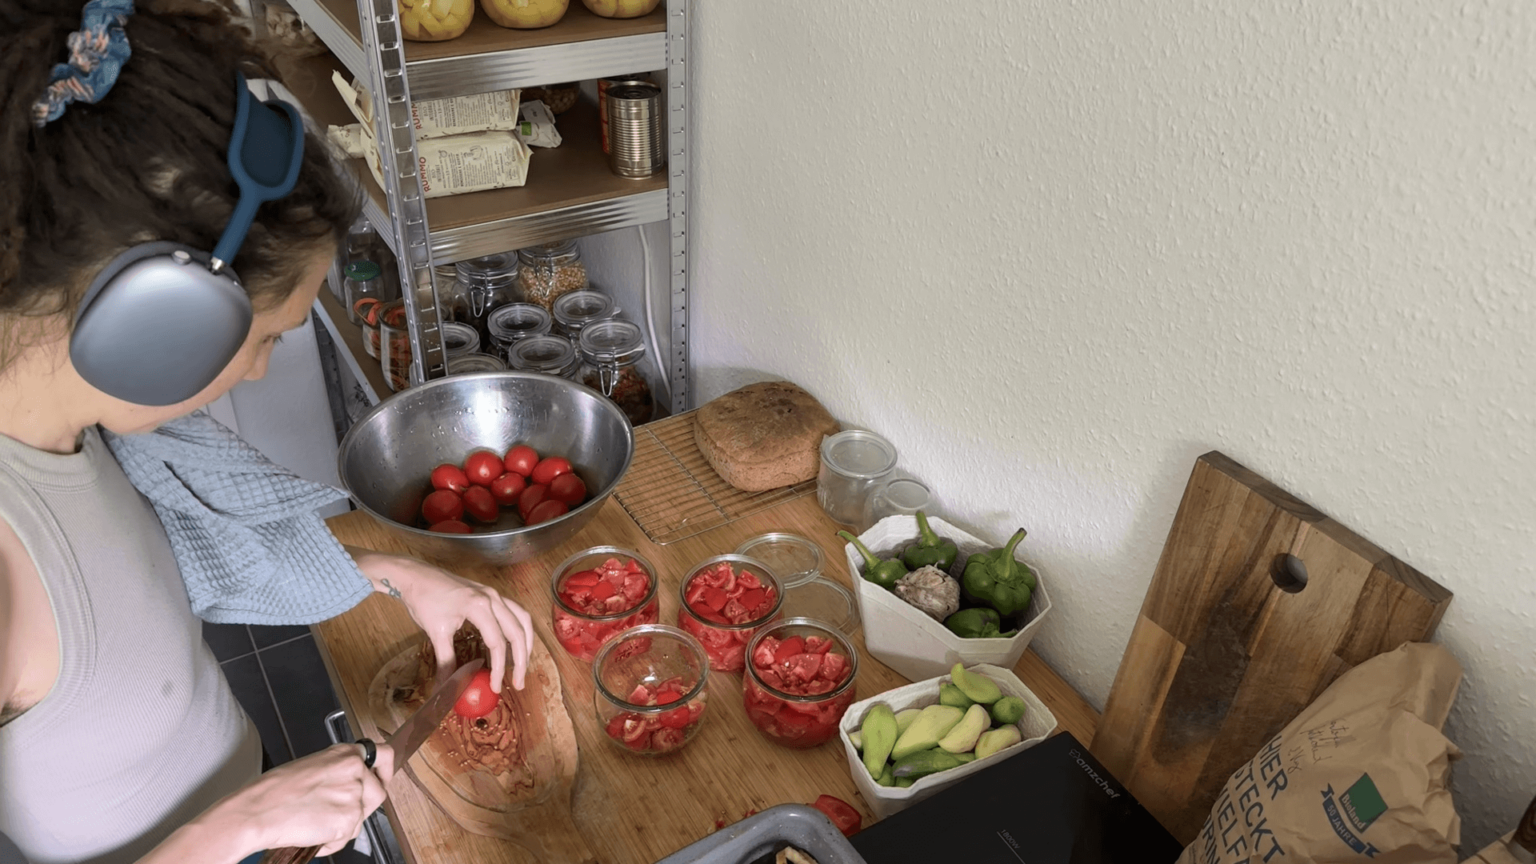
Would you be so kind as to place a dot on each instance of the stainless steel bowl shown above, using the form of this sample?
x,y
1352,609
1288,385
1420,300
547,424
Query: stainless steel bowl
x,y
387,457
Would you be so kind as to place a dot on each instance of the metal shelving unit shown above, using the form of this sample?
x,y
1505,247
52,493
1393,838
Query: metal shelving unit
x,y
570,191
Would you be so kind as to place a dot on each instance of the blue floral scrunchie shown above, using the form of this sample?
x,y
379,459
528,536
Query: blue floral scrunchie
x,y
97,52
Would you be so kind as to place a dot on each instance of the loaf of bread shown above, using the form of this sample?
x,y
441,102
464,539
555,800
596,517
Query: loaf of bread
x,y
763,436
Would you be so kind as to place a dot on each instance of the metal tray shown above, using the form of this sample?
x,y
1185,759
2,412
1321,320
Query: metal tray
x,y
750,839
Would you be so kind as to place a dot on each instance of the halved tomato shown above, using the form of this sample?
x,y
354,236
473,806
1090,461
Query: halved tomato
x,y
568,488
451,526
549,468
547,510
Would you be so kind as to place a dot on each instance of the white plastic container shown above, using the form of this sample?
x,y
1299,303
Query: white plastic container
x,y
909,641
1036,725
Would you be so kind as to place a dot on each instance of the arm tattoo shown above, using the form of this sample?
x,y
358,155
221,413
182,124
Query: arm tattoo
x,y
393,591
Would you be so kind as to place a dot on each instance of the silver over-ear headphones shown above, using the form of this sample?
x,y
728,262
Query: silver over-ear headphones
x,y
162,320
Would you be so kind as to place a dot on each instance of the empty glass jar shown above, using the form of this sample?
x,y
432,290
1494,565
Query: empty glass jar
x,y
488,282
576,310
514,322
549,355
854,463
549,271
610,351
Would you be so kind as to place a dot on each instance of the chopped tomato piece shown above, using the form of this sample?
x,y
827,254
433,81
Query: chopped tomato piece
x,y
789,648
753,599
801,668
841,813
602,590
715,599
817,644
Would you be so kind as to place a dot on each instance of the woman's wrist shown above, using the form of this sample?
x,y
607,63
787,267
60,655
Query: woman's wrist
x,y
382,570
214,837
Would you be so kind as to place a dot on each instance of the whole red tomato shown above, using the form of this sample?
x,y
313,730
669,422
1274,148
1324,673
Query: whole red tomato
x,y
520,460
481,504
479,700
507,487
546,510
549,468
450,477
568,488
531,498
483,467
442,506
451,526
841,813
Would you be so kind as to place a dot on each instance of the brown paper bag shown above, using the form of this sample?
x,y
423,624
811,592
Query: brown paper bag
x,y
1360,775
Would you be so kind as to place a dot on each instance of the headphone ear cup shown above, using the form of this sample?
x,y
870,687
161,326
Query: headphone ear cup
x,y
157,326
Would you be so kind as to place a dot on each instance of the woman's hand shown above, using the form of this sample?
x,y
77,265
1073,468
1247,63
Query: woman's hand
x,y
320,800
441,602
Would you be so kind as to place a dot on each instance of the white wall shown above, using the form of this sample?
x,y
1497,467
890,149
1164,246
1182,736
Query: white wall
x,y
1055,251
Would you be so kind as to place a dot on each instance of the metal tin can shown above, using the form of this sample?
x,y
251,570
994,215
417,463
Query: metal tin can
x,y
635,132
602,98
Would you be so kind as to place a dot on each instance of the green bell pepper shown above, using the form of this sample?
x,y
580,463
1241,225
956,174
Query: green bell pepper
x,y
885,572
930,549
997,580
977,623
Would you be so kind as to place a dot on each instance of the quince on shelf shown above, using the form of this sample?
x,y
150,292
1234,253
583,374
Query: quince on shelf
x,y
621,8
525,14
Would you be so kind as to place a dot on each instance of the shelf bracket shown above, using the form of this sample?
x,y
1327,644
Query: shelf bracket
x,y
396,135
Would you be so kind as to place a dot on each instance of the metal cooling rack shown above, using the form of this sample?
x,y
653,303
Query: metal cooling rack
x,y
673,493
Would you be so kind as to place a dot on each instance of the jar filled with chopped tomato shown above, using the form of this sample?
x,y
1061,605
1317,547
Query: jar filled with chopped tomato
x,y
395,346
799,682
598,593
725,601
610,353
651,689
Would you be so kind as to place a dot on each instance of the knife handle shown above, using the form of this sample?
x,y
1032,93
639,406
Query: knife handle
x,y
290,855
306,854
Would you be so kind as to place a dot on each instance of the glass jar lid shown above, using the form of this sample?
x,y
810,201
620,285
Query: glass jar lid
x,y
546,254
794,559
464,364
362,271
489,271
460,339
516,321
857,453
548,354
617,343
577,309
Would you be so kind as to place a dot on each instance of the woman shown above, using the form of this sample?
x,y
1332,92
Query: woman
x,y
119,737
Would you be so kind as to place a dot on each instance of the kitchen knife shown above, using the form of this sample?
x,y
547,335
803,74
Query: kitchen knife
x,y
404,742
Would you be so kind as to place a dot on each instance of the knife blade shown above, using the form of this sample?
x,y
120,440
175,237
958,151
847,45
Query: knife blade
x,y
405,741
415,731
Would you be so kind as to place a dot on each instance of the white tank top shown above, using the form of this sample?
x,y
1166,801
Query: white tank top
x,y
141,732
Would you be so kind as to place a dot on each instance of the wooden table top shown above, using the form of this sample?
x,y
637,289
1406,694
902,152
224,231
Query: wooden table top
x,y
636,810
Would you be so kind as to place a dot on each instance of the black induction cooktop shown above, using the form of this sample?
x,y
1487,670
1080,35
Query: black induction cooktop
x,y
1051,804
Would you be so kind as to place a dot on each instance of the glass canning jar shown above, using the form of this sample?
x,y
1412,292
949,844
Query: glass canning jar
x,y
799,682
395,346
651,686
549,355
459,339
363,280
610,351
724,601
549,271
452,298
599,593
487,282
514,322
577,310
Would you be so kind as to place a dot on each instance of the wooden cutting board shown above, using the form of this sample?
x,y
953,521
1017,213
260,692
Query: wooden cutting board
x,y
1230,645
508,775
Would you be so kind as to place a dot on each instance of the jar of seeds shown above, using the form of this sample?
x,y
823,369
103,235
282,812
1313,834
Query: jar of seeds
x,y
546,273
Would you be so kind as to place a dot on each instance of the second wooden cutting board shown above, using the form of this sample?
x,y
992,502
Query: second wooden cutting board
x,y
1259,602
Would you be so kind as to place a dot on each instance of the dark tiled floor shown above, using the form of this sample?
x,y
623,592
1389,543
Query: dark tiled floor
x,y
280,680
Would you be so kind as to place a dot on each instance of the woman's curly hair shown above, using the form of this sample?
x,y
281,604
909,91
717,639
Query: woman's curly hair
x,y
147,162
